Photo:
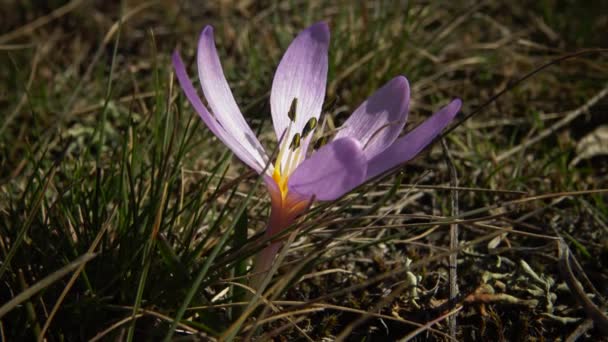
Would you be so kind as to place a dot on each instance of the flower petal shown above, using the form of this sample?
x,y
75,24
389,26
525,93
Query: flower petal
x,y
379,120
330,172
210,121
220,99
301,75
408,146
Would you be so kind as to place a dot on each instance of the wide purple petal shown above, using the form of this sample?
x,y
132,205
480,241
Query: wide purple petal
x,y
301,75
330,172
408,146
220,99
379,120
210,121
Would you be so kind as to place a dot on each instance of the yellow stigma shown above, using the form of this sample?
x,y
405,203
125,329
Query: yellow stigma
x,y
281,172
281,181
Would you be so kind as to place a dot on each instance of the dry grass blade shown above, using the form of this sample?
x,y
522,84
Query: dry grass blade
x,y
72,280
520,81
28,222
599,317
381,303
44,283
275,332
428,325
396,272
292,321
324,306
453,260
40,53
580,330
275,290
98,135
114,326
551,130
30,27
142,312
114,29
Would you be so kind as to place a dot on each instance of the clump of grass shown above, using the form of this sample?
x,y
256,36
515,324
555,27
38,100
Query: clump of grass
x,y
102,158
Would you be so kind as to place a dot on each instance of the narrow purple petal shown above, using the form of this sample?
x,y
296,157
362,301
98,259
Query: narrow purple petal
x,y
408,146
210,121
330,172
301,75
379,120
220,99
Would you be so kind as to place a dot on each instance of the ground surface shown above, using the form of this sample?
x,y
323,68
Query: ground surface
x,y
111,186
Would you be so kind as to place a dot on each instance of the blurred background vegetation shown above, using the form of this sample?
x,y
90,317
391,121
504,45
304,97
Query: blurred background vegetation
x,y
112,188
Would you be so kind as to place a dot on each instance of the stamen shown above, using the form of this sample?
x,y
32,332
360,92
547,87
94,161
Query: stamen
x,y
292,110
308,129
295,142
293,159
293,162
282,171
310,125
287,169
322,136
320,142
277,165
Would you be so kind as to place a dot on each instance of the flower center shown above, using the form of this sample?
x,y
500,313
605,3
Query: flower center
x,y
282,172
291,150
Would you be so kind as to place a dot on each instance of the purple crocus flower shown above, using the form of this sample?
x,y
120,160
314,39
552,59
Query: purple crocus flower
x,y
366,145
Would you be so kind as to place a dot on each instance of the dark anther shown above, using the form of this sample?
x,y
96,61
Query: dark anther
x,y
295,142
292,110
310,125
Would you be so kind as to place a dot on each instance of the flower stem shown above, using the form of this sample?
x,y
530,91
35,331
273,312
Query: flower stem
x,y
263,263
